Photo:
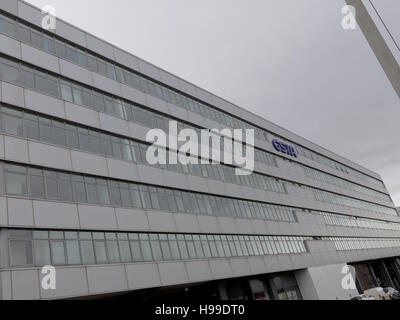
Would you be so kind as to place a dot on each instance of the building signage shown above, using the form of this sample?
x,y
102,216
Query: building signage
x,y
284,148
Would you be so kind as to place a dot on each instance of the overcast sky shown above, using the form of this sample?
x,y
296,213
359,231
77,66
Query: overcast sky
x,y
289,61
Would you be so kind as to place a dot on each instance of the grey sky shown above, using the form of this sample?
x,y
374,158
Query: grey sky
x,y
289,61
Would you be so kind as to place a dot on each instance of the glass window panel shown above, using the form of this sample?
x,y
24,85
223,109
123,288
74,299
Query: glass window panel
x,y
66,193
136,252
7,26
16,184
52,188
87,252
20,252
146,250
42,253
45,129
113,253
12,125
125,251
37,187
27,79
80,191
73,255
9,71
100,251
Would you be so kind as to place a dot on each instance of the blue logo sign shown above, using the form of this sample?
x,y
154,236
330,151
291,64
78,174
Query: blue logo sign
x,y
284,148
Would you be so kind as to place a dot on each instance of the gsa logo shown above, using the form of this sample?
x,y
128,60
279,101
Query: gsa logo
x,y
284,148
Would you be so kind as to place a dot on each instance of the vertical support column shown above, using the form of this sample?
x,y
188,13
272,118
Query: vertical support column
x,y
371,270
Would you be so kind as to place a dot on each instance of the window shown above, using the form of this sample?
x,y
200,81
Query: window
x,y
72,54
77,92
31,124
124,247
92,63
79,189
27,78
82,58
47,84
21,252
61,49
58,252
36,181
9,71
12,121
66,91
7,26
101,67
51,184
72,249
100,247
16,183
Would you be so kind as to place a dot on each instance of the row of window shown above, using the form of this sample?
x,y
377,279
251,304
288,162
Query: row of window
x,y
74,248
333,198
343,244
347,221
55,185
49,184
324,177
136,114
30,125
39,39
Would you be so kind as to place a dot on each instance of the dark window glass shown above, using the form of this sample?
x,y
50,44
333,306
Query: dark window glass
x,y
37,40
72,136
49,45
115,196
16,184
9,71
61,49
113,252
59,133
100,250
45,129
87,252
73,255
102,69
58,252
21,252
66,91
42,253
31,126
51,185
92,63
79,190
66,190
12,124
82,59
7,26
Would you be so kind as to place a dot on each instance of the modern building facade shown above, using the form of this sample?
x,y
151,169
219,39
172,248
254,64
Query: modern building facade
x,y
77,193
